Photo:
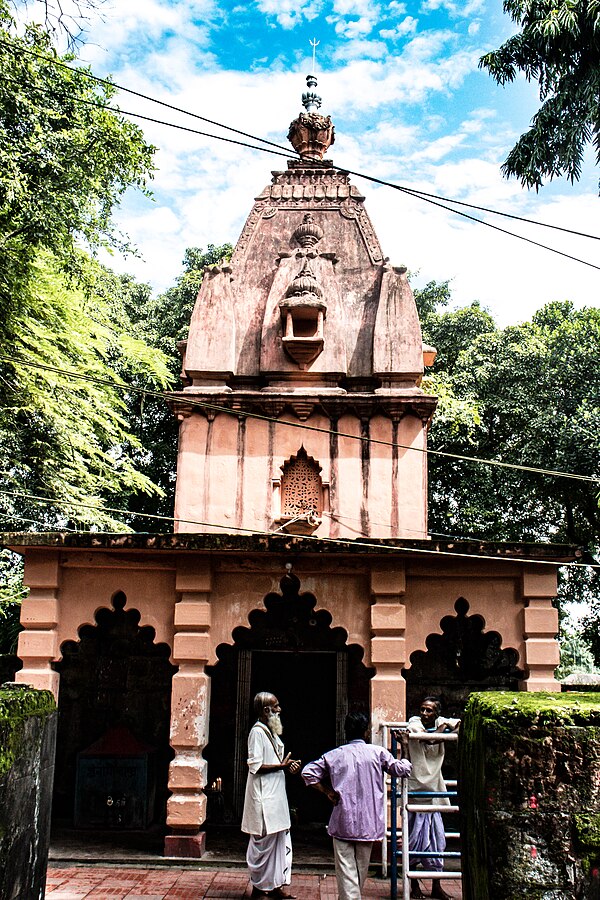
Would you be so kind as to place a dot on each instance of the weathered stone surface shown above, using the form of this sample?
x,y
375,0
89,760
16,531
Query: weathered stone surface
x,y
529,770
27,742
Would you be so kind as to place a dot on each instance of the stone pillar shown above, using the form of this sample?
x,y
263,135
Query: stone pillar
x,y
540,627
38,643
190,706
388,626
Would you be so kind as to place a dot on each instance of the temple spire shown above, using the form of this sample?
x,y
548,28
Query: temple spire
x,y
311,134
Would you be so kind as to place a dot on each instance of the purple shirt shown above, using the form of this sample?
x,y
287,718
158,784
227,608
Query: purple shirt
x,y
355,771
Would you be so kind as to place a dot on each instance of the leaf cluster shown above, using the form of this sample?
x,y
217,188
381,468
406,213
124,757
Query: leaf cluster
x,y
163,322
536,389
559,47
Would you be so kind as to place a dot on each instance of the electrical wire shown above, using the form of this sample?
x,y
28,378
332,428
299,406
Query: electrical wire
x,y
228,529
282,151
285,150
202,404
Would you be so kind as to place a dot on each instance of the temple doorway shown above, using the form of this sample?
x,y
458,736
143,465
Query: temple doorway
x,y
292,651
113,751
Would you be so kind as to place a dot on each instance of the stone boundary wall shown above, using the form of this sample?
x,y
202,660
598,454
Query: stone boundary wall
x,y
27,742
529,777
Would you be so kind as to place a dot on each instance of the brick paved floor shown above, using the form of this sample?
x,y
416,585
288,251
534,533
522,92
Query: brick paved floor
x,y
120,882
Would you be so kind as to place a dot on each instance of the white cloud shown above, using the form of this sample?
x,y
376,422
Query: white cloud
x,y
389,123
454,9
358,49
354,28
406,26
289,13
367,12
133,31
365,8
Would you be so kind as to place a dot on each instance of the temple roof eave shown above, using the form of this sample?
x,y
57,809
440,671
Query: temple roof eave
x,y
391,404
260,543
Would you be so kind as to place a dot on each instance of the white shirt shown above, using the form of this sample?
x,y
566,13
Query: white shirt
x,y
266,809
427,760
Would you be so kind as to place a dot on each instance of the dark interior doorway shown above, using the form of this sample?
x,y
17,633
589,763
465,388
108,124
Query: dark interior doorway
x,y
292,651
114,707
305,685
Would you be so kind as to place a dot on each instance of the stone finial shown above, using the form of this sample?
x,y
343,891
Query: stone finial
x,y
308,233
310,100
311,134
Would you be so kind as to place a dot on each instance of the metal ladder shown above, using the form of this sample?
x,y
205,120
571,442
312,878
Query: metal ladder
x,y
409,803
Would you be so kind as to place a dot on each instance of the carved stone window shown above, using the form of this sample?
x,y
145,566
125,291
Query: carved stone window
x,y
300,494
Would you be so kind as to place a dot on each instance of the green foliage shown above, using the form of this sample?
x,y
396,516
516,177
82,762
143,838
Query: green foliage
x,y
559,47
575,656
67,437
163,322
12,593
65,161
536,388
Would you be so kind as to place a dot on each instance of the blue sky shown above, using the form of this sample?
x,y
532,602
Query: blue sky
x,y
410,105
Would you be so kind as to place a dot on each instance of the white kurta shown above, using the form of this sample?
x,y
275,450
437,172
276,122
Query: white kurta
x,y
427,760
266,809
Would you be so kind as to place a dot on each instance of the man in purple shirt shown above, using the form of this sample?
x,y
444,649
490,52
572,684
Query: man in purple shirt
x,y
352,776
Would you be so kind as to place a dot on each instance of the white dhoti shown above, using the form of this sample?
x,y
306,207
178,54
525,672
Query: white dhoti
x,y
269,859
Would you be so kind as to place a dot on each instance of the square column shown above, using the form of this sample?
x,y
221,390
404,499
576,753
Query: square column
x,y
38,643
388,645
190,707
540,627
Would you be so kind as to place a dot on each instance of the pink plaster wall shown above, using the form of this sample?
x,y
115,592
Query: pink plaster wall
x,y
194,602
233,485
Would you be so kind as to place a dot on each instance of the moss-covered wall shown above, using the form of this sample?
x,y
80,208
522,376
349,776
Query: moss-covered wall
x,y
529,770
27,743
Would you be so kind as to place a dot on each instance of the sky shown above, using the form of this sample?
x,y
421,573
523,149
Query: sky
x,y
410,105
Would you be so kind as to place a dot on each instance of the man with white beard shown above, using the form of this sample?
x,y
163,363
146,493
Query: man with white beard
x,y
266,816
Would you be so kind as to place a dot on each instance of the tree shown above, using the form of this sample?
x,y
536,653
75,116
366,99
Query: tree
x,y
559,47
65,161
61,20
163,322
68,438
11,595
575,656
536,387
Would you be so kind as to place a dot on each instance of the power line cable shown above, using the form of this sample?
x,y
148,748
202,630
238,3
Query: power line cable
x,y
283,151
371,545
202,404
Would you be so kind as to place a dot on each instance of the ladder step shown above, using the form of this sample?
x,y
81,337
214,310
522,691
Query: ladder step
x,y
433,794
430,807
447,854
425,873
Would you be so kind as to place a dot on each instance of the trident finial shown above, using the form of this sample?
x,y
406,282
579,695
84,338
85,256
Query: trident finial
x,y
314,44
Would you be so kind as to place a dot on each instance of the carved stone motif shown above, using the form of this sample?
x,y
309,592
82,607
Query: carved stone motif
x,y
301,493
303,308
308,233
311,135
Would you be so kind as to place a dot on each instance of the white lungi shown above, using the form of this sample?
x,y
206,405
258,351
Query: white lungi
x,y
351,866
269,859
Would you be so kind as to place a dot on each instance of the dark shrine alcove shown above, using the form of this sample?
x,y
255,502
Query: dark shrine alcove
x,y
291,650
462,659
114,679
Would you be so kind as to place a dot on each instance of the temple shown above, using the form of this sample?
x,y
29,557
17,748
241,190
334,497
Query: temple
x,y
300,561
